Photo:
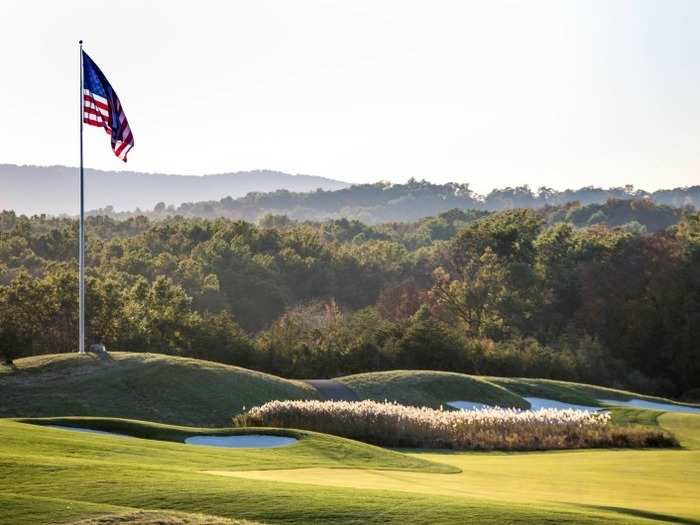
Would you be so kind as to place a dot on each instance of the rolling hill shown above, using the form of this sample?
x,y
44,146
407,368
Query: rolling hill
x,y
53,189
429,388
139,386
182,391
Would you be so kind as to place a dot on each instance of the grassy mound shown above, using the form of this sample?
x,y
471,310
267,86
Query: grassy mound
x,y
312,449
429,388
184,391
569,392
139,386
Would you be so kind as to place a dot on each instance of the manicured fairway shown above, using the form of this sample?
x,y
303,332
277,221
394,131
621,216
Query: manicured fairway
x,y
59,476
661,484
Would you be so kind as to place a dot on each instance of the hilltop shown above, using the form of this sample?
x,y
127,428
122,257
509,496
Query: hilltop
x,y
251,195
53,189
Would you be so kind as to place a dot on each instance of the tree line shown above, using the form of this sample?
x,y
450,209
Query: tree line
x,y
385,202
550,293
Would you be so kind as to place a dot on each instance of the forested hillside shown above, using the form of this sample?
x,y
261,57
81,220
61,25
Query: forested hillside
x,y
558,292
385,202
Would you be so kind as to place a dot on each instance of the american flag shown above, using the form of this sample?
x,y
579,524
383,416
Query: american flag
x,y
101,108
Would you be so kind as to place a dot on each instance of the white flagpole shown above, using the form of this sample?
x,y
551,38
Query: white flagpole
x,y
81,254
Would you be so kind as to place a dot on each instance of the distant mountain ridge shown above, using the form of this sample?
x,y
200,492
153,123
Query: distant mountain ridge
x,y
251,195
384,202
54,189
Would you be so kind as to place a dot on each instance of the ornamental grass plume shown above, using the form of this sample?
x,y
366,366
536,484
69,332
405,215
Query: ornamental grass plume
x,y
393,425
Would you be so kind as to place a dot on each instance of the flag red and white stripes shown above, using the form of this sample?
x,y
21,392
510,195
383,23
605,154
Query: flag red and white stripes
x,y
101,108
96,112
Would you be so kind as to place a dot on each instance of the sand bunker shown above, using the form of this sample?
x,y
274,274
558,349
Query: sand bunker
x,y
242,441
88,430
537,403
651,405
467,405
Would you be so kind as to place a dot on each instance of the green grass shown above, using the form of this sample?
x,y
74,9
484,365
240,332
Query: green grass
x,y
635,416
570,392
633,486
312,449
57,476
160,518
201,393
140,386
52,475
429,388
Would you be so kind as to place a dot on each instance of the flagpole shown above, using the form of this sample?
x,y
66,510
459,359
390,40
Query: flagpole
x,y
81,254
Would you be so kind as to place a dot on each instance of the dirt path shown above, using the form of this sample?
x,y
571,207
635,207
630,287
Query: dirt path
x,y
333,390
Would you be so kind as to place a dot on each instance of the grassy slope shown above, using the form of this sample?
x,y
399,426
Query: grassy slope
x,y
313,448
202,393
57,476
421,387
142,386
654,486
570,392
430,388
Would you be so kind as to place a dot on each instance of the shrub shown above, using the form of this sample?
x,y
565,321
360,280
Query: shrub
x,y
394,425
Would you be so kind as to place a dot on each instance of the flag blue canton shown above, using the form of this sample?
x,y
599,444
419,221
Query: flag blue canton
x,y
102,108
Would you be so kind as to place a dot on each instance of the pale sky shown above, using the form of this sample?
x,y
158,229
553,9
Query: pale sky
x,y
494,93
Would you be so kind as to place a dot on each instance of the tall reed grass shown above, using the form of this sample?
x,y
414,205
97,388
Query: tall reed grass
x,y
394,425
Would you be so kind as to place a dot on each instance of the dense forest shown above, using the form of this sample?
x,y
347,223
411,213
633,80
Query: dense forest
x,y
385,202
605,293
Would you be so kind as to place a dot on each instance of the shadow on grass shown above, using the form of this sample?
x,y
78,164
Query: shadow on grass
x,y
668,518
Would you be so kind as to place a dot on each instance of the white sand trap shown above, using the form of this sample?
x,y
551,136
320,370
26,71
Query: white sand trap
x,y
467,405
651,405
88,430
242,441
537,403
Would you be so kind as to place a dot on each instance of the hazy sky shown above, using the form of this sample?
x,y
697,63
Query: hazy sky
x,y
494,93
